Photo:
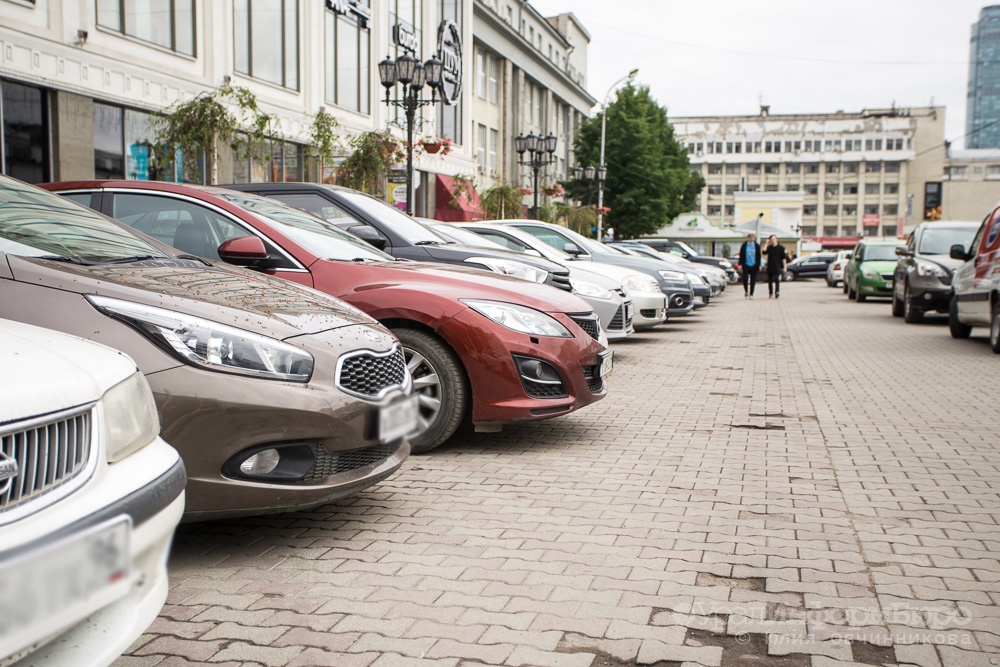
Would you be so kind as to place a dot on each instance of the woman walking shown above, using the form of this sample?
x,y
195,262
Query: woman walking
x,y
777,264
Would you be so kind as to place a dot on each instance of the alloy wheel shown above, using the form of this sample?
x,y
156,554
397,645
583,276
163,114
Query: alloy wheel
x,y
427,386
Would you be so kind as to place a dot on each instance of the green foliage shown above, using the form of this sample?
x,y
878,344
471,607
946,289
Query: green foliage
x,y
368,166
462,184
323,139
502,202
200,125
649,178
726,250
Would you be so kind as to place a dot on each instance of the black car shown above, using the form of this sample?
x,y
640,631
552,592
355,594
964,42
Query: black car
x,y
389,229
922,279
813,266
690,254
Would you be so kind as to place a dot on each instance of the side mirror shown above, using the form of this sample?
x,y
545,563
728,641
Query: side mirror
x,y
903,251
958,252
370,235
242,251
572,249
850,255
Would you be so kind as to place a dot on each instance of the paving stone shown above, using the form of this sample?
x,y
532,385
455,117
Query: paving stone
x,y
527,656
250,653
653,651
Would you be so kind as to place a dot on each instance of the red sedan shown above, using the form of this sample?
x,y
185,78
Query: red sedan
x,y
477,344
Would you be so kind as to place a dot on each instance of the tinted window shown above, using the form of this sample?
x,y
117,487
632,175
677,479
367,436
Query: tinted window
x,y
82,198
186,226
938,241
401,224
549,236
314,203
510,244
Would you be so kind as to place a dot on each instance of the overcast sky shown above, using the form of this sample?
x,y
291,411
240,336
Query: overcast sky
x,y
707,57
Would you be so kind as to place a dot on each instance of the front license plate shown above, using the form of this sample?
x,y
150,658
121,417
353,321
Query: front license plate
x,y
699,299
60,583
888,284
607,359
397,419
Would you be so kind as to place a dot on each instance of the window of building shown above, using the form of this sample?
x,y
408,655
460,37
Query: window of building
x,y
850,188
772,146
811,188
831,209
977,170
274,162
753,168
833,145
873,144
714,169
809,209
166,23
715,210
892,167
494,147
791,187
993,170
734,146
832,167
730,210
732,189
813,145
732,169
25,132
852,144
850,209
873,167
771,187
793,168
481,146
871,209
266,40
481,75
891,188
793,146
831,190
955,171
494,79
872,188
348,60
851,167
812,167
109,144
891,209
714,190
894,144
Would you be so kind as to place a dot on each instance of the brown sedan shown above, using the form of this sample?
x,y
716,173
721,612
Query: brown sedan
x,y
276,396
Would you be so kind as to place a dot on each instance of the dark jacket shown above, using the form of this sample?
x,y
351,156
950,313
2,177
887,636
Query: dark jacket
x,y
743,254
776,258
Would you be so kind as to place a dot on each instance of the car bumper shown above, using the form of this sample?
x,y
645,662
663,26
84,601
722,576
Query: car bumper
x,y
146,488
615,314
650,309
498,394
869,287
925,297
679,303
835,276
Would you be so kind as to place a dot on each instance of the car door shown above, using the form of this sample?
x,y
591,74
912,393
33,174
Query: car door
x,y
853,267
905,267
974,279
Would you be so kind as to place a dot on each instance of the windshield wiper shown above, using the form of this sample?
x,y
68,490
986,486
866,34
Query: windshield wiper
x,y
129,260
427,242
195,258
67,259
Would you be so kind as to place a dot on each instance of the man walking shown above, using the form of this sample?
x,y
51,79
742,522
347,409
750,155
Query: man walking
x,y
750,261
777,264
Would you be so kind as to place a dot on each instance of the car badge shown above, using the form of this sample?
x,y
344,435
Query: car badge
x,y
8,471
373,336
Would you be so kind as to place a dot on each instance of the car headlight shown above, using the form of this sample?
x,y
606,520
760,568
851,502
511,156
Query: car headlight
x,y
130,419
519,318
210,345
869,274
583,288
638,282
672,275
928,269
727,264
511,268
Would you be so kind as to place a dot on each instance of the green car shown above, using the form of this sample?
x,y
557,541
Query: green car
x,y
869,273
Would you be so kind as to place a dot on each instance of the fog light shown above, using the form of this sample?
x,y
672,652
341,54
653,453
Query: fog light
x,y
927,296
261,463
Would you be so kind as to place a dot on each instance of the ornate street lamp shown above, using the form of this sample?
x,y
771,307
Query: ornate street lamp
x,y
540,152
586,175
412,75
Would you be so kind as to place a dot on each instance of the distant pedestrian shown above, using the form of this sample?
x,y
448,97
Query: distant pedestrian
x,y
750,259
777,264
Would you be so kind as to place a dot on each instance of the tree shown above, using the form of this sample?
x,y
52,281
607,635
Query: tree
x,y
368,166
323,140
502,201
649,178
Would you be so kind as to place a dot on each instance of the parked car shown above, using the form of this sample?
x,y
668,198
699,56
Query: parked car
x,y
682,249
835,270
713,277
392,231
701,289
675,284
811,266
650,304
606,296
256,380
870,270
477,344
89,499
976,283
922,280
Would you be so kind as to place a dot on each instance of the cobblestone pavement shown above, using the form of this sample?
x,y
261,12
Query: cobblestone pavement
x,y
803,482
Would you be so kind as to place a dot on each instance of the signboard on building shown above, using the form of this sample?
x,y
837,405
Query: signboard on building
x,y
405,37
870,219
360,12
449,52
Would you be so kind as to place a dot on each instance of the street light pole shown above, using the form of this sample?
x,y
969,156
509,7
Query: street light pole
x,y
604,130
540,152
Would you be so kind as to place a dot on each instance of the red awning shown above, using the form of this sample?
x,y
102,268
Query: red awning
x,y
463,208
835,241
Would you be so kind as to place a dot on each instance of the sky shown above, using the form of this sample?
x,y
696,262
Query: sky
x,y
722,57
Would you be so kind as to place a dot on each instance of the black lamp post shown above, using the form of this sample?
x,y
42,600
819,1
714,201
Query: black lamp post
x,y
586,175
413,76
540,155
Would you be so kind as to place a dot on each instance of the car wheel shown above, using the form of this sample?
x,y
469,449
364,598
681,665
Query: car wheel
x,y
897,306
788,276
995,328
858,296
958,330
439,382
910,314
844,285
851,294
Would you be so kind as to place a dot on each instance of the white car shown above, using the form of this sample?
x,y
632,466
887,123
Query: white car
x,y
89,499
835,271
649,303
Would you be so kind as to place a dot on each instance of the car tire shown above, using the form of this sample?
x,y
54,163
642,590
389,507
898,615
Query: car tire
x,y
788,276
858,296
440,384
851,294
844,285
897,306
995,327
910,314
955,326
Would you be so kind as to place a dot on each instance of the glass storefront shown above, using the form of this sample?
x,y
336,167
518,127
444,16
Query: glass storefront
x,y
123,145
25,132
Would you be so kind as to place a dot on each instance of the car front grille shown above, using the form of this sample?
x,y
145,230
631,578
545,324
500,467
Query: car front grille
x,y
329,464
886,276
370,374
47,455
594,381
560,279
618,321
589,324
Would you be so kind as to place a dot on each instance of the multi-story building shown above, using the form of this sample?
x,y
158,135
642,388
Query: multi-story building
x,y
970,184
858,174
982,111
82,80
529,76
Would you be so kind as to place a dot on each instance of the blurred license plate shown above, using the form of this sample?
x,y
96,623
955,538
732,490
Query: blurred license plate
x,y
699,299
628,311
50,588
607,362
397,419
888,284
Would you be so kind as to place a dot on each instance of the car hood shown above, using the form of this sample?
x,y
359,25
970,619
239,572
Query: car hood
x,y
220,293
54,371
458,252
942,260
880,265
459,282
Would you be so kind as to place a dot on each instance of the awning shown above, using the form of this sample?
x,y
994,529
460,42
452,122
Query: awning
x,y
463,208
835,241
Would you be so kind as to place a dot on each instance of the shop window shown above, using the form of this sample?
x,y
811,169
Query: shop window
x,y
166,23
25,132
266,38
272,163
348,57
109,141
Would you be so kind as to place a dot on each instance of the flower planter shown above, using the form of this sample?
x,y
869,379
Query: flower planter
x,y
433,147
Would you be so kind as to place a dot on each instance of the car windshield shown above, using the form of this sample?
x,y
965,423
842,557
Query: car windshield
x,y
414,232
35,223
318,236
876,253
688,249
939,240
465,237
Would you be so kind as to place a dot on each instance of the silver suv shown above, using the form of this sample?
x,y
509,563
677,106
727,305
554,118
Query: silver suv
x,y
922,278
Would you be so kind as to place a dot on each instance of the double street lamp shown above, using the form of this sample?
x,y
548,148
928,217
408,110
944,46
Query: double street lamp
x,y
412,75
586,175
540,152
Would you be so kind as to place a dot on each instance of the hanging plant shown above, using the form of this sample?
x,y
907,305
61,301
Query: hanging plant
x,y
432,145
502,202
324,140
555,190
367,167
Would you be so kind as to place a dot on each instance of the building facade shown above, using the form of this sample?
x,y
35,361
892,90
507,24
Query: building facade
x,y
982,111
970,185
859,174
81,81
